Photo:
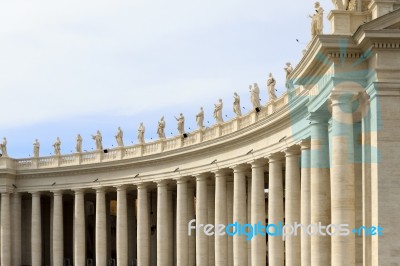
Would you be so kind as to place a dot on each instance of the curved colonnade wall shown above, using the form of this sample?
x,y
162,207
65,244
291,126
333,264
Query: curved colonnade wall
x,y
311,157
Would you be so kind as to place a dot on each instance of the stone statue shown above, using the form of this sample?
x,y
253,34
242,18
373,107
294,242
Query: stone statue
x,y
271,82
119,137
78,143
3,147
288,69
141,131
36,147
161,127
200,118
57,147
98,139
236,105
255,95
352,5
317,22
218,112
181,123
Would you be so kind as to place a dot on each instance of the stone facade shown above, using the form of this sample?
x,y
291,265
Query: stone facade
x,y
324,152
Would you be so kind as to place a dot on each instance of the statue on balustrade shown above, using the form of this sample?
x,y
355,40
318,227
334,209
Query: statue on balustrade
x,y
141,131
255,95
288,69
271,83
36,147
200,118
218,112
161,128
181,123
119,137
57,147
236,105
3,147
98,140
78,143
317,20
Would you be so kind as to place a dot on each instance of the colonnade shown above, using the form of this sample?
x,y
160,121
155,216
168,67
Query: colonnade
x,y
301,183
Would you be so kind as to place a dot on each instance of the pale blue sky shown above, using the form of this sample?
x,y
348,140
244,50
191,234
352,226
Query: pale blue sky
x,y
77,66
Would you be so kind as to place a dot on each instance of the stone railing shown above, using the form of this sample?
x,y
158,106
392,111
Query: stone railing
x,y
158,146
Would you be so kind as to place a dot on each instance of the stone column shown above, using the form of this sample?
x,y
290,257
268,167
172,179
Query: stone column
x,y
221,242
163,258
16,228
249,182
258,243
343,178
79,229
101,230
5,229
305,201
191,216
239,214
229,215
58,229
182,238
320,188
292,205
201,218
122,227
211,220
275,209
36,233
143,227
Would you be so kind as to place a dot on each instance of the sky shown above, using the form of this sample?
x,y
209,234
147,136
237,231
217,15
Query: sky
x,y
74,66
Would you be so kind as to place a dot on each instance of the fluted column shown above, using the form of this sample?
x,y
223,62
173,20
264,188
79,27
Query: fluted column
x,y
191,216
320,188
122,227
239,214
163,258
36,233
182,238
292,205
305,202
275,209
5,229
249,182
143,227
201,218
229,215
258,243
101,230
221,242
211,220
16,228
343,177
58,229
79,229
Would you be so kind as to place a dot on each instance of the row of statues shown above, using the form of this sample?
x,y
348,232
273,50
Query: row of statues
x,y
218,116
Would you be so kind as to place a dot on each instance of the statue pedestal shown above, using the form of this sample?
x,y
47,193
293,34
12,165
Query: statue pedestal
x,y
346,22
6,163
381,7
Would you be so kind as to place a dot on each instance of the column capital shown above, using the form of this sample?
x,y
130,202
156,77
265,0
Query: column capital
x,y
343,97
100,189
318,117
258,163
292,151
162,183
275,157
121,187
35,194
240,168
305,144
57,192
202,177
222,172
182,179
78,191
142,185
